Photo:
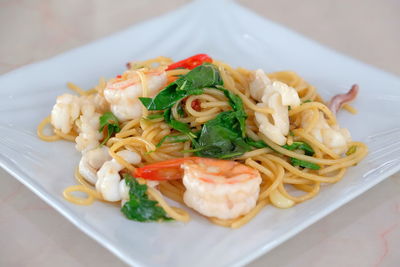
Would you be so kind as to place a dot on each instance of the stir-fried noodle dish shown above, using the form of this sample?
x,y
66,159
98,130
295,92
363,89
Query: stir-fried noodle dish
x,y
222,141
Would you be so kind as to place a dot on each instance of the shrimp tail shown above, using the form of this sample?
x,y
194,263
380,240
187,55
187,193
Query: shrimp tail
x,y
339,100
161,171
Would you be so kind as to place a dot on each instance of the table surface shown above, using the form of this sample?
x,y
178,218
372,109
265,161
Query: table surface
x,y
365,232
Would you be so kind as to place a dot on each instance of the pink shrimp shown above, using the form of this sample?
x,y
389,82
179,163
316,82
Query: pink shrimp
x,y
216,188
123,92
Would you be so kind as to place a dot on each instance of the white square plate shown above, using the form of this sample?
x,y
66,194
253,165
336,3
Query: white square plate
x,y
240,38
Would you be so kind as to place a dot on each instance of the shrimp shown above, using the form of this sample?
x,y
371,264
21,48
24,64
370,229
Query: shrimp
x,y
91,162
109,182
80,113
215,188
275,95
123,92
332,136
88,127
65,112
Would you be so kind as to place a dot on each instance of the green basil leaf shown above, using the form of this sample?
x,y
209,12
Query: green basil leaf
x,y
237,105
139,207
155,116
203,76
256,144
351,150
193,83
302,146
221,137
173,139
304,164
180,110
166,98
109,120
179,126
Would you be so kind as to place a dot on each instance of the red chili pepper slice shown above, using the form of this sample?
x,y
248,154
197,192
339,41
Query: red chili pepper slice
x,y
191,62
196,105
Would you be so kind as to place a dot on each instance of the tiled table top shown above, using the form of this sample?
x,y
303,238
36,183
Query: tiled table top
x,y
365,232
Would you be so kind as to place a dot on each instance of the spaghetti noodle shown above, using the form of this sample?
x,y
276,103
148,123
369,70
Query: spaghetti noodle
x,y
282,178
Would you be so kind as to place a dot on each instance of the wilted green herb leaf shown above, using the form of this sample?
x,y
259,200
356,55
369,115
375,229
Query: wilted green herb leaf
x,y
139,207
221,137
302,146
206,75
237,105
110,121
177,125
351,150
155,116
181,112
173,139
305,164
256,144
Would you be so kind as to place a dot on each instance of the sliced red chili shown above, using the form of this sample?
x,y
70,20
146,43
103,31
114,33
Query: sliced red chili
x,y
196,105
191,62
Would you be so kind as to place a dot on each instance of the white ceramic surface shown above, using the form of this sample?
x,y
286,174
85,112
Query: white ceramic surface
x,y
250,42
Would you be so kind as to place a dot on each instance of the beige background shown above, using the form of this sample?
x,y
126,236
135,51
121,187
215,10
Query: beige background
x,y
365,232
